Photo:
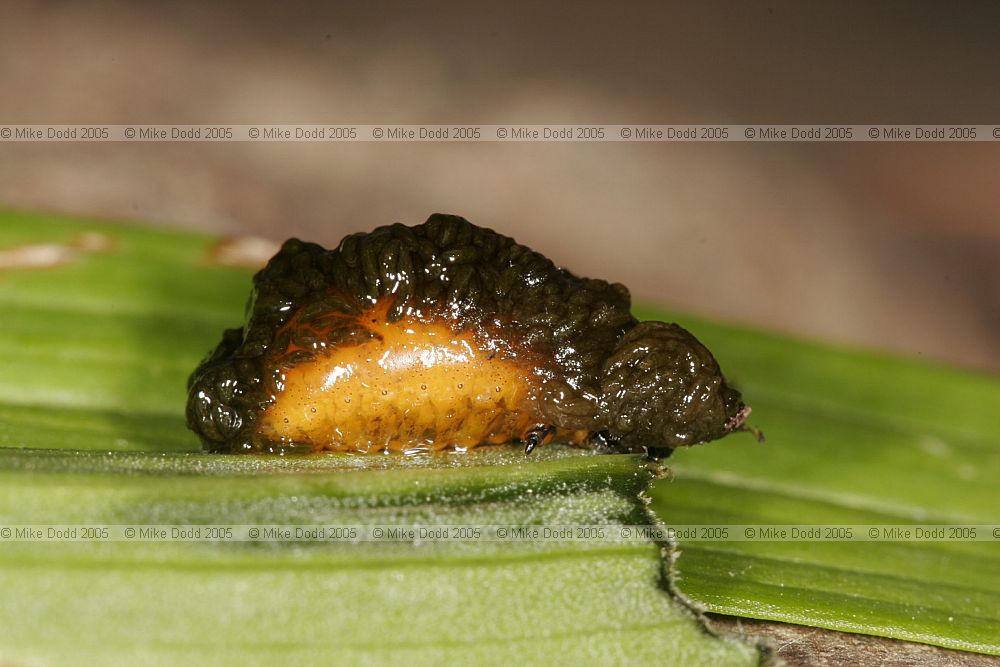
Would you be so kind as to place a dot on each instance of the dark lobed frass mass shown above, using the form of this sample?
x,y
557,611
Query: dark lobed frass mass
x,y
449,335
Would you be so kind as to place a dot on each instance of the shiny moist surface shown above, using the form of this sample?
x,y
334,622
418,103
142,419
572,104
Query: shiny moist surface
x,y
448,335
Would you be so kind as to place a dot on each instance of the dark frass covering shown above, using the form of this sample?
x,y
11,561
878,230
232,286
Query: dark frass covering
x,y
416,325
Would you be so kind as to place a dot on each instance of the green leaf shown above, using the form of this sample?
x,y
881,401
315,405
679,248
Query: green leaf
x,y
94,354
853,437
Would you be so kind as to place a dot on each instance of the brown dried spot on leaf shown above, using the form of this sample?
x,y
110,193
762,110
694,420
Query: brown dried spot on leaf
x,y
251,252
49,255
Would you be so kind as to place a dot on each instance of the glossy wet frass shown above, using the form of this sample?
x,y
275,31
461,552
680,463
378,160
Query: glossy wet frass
x,y
448,335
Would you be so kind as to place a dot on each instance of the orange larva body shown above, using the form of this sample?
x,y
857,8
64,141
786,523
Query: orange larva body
x,y
412,385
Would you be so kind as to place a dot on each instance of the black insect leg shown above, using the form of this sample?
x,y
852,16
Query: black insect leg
x,y
536,436
659,453
602,441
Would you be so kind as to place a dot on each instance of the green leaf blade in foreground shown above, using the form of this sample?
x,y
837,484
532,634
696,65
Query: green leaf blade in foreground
x,y
365,603
94,354
852,438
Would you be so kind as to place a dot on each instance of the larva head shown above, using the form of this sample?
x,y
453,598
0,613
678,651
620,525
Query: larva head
x,y
663,388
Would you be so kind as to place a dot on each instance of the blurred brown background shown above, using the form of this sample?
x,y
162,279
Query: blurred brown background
x,y
889,245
